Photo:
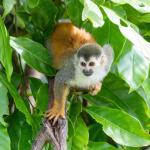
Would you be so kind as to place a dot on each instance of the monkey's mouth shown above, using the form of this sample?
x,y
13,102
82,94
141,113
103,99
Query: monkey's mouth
x,y
87,72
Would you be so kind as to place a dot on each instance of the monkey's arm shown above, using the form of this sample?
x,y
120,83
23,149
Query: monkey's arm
x,y
61,91
95,88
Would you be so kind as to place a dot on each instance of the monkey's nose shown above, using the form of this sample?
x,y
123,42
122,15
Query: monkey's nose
x,y
87,72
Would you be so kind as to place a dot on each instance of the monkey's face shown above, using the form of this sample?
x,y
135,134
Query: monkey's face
x,y
89,58
88,67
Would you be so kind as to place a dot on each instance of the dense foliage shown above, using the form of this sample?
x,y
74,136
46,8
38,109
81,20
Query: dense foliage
x,y
119,116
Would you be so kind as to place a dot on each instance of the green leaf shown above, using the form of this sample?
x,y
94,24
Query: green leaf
x,y
144,18
46,12
97,136
80,139
100,146
74,7
34,54
3,103
15,122
25,141
142,6
144,91
42,98
4,139
93,13
112,35
34,85
32,3
76,106
17,99
138,41
133,67
120,126
8,6
5,50
116,91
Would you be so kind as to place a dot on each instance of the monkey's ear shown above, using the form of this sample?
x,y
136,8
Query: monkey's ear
x,y
107,56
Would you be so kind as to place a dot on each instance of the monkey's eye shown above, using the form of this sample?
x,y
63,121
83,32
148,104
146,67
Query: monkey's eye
x,y
91,64
83,64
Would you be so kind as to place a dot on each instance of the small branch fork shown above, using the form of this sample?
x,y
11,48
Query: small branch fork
x,y
55,134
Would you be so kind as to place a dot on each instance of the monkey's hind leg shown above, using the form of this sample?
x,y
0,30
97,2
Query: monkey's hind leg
x,y
58,108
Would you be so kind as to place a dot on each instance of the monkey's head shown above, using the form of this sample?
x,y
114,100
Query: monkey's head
x,y
89,58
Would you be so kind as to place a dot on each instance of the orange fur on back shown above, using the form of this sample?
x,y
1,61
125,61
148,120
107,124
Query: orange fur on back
x,y
66,40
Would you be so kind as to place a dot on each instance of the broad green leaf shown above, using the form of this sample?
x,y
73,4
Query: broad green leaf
x,y
76,106
5,50
115,94
34,54
133,67
100,146
3,103
25,140
46,12
32,3
4,139
74,7
120,126
17,99
138,41
80,139
15,122
93,13
144,91
99,135
8,6
34,85
110,33
42,98
145,18
140,5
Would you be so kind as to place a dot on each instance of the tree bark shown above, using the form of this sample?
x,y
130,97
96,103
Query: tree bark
x,y
55,134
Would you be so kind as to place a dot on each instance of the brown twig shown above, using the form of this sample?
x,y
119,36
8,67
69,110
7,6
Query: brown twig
x,y
56,134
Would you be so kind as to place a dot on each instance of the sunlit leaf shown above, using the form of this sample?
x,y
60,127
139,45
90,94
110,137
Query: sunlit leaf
x,y
100,146
133,67
8,6
140,5
3,103
4,139
34,54
127,131
5,50
81,136
138,41
93,13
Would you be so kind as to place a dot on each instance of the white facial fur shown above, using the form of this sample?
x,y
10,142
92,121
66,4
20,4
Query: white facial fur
x,y
84,81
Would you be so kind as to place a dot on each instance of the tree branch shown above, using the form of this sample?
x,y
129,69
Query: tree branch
x,y
56,134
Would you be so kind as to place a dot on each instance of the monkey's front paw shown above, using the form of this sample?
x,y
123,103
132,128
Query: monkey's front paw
x,y
95,88
55,113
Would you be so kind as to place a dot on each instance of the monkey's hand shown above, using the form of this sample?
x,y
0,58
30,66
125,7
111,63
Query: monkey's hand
x,y
95,88
57,111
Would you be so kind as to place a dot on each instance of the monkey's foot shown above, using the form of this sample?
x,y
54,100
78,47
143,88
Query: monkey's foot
x,y
95,88
55,113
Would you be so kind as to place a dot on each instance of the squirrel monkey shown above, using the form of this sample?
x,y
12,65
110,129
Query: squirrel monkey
x,y
82,63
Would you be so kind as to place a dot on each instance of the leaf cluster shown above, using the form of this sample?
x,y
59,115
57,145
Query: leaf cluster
x,y
116,118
